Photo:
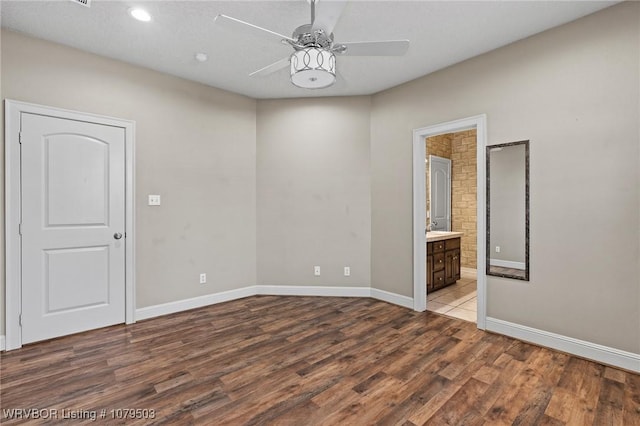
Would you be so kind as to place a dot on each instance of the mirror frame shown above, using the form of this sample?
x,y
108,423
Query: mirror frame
x,y
526,210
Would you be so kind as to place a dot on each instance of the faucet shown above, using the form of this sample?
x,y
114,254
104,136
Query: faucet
x,y
429,226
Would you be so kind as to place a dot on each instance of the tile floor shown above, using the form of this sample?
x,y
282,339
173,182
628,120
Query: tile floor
x,y
458,300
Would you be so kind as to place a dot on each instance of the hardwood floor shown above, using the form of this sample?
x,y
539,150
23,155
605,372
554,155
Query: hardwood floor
x,y
308,361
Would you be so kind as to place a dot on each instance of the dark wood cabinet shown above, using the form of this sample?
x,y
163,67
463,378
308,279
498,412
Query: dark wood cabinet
x,y
452,266
443,263
452,260
429,272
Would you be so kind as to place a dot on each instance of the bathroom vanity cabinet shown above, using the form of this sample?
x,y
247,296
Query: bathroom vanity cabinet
x,y
443,259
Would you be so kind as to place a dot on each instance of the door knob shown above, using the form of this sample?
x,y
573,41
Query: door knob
x,y
117,235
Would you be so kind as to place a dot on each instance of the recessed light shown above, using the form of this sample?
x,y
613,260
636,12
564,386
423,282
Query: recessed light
x,y
140,14
201,57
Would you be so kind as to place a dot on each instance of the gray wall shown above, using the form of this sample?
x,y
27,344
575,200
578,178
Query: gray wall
x,y
507,203
574,92
314,204
195,146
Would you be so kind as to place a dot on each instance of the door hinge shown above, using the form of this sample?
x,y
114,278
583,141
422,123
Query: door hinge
x,y
20,138
20,320
20,228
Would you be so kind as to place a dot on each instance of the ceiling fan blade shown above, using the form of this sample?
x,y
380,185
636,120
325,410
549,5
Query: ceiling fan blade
x,y
327,14
374,48
237,24
269,69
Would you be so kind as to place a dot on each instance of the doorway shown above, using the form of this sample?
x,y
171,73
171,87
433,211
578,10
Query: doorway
x,y
458,297
477,123
69,211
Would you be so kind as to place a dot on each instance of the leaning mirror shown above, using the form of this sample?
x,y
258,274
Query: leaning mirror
x,y
508,210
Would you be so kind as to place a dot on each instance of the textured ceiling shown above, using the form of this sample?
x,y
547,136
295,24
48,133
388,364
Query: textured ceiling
x,y
441,34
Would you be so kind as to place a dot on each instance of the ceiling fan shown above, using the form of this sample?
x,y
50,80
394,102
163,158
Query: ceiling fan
x,y
313,61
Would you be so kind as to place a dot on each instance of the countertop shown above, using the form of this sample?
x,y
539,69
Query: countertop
x,y
442,235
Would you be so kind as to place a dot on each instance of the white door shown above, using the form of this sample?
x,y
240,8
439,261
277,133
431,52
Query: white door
x,y
440,176
73,224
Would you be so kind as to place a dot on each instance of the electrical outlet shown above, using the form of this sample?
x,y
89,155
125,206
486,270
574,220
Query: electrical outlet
x,y
347,271
316,271
497,249
203,278
154,200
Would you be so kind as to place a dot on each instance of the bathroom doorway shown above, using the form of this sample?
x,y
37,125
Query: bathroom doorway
x,y
463,143
458,152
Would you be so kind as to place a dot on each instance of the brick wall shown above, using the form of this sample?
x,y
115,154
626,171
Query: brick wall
x,y
460,147
463,194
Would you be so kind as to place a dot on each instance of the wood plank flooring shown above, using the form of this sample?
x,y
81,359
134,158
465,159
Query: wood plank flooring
x,y
507,271
310,361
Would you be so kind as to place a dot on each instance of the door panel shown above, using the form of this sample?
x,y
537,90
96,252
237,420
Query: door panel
x,y
73,202
75,278
78,195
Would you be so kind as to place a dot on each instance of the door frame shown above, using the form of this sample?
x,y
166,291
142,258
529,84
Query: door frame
x,y
478,122
13,204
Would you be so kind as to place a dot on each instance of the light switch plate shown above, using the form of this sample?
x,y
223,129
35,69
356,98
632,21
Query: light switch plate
x,y
154,200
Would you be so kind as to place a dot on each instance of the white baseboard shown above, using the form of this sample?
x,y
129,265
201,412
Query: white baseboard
x,y
2,344
271,290
604,354
195,302
507,264
298,290
396,299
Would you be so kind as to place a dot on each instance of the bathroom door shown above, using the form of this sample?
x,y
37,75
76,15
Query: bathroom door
x,y
440,178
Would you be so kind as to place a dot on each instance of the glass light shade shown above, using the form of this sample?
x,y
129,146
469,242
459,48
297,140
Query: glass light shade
x,y
313,68
140,14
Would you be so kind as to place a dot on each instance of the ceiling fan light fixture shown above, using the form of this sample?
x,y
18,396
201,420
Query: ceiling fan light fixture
x,y
313,68
140,14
